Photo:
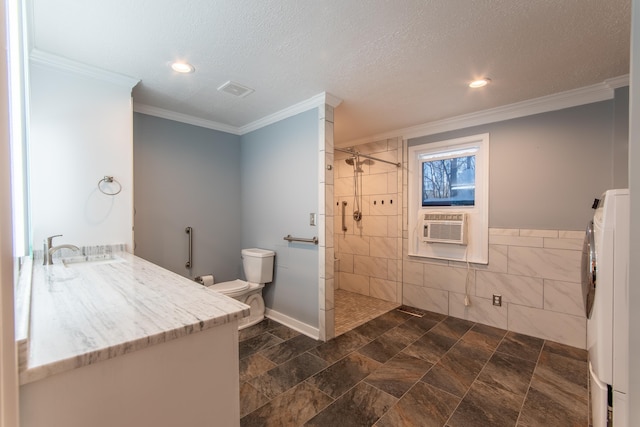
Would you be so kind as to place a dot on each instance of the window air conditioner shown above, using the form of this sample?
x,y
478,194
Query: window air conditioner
x,y
444,228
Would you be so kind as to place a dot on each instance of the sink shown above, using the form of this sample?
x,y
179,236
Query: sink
x,y
89,260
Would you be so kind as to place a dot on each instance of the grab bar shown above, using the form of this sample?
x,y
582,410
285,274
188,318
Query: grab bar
x,y
344,224
189,231
313,240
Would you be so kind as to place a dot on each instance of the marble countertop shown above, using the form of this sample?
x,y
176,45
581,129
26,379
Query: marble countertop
x,y
86,312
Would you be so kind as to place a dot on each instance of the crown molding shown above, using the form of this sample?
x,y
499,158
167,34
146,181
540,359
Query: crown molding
x,y
617,82
572,98
331,100
184,118
46,59
313,102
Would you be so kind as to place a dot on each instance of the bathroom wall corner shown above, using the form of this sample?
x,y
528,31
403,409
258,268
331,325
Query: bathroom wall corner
x,y
326,326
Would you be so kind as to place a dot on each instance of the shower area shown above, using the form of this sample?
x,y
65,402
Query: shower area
x,y
367,228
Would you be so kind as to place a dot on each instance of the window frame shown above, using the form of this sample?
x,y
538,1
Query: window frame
x,y
477,249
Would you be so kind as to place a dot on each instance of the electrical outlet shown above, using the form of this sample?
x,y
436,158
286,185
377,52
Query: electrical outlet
x,y
497,300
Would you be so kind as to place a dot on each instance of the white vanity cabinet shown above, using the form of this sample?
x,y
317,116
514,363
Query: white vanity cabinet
x,y
128,343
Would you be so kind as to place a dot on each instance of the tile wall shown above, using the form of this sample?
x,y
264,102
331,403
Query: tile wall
x,y
537,273
369,251
326,328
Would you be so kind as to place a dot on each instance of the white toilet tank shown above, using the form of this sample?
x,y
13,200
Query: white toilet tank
x,y
258,265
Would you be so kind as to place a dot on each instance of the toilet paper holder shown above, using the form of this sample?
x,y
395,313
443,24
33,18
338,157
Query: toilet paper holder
x,y
206,280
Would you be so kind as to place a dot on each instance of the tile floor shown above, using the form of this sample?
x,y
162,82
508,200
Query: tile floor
x,y
352,310
401,370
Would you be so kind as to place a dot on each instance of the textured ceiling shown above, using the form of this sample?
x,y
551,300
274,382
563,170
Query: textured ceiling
x,y
395,63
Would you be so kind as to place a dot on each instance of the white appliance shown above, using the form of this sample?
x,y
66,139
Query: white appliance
x,y
606,289
444,227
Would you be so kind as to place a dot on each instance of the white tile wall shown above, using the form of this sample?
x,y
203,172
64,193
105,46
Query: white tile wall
x,y
448,278
326,250
346,262
383,247
481,310
515,289
357,283
537,273
383,289
375,225
370,251
563,297
573,244
354,244
551,325
370,266
527,241
425,298
556,264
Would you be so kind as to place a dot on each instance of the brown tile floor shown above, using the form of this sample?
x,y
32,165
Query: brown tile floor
x,y
401,370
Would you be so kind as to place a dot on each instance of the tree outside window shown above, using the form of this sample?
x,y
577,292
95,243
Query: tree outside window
x,y
449,182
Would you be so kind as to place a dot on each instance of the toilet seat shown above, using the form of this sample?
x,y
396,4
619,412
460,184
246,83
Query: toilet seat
x,y
231,287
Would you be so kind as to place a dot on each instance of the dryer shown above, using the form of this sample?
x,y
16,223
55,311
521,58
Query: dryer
x,y
605,290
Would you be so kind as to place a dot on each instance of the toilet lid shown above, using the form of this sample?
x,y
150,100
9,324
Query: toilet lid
x,y
232,286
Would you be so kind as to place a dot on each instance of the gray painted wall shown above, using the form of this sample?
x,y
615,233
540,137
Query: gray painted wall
x,y
279,191
546,169
187,176
236,192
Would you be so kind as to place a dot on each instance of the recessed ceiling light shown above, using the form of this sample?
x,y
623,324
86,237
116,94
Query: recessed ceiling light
x,y
480,82
182,67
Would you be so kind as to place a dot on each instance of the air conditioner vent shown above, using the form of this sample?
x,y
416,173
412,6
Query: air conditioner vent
x,y
445,228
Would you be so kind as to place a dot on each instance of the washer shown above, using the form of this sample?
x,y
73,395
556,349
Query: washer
x,y
605,291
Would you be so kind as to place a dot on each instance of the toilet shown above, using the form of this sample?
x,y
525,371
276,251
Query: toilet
x,y
258,269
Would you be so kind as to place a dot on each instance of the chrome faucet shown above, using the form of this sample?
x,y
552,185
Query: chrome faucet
x,y
50,250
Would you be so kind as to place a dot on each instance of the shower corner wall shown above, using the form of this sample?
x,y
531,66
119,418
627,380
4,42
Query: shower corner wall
x,y
326,327
370,250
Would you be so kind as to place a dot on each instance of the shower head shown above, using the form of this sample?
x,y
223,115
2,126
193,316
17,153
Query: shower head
x,y
354,161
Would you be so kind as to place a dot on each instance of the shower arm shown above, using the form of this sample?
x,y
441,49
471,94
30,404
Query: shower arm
x,y
355,153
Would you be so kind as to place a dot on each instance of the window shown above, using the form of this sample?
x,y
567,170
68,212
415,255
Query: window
x,y
450,177
18,97
449,180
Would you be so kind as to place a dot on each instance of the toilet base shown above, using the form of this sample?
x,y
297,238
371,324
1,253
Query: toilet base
x,y
249,321
253,298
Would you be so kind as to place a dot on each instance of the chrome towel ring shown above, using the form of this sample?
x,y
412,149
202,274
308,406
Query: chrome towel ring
x,y
109,179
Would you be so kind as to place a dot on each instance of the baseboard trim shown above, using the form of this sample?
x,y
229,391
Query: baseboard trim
x,y
292,323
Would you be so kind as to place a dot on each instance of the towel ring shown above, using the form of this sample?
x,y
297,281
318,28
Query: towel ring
x,y
109,179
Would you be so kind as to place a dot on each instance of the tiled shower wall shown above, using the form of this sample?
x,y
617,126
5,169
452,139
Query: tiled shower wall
x,y
369,251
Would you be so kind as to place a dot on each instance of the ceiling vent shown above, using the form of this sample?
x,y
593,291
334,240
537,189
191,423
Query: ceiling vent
x,y
235,89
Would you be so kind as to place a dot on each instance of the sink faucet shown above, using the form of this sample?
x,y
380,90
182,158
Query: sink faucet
x,y
50,250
